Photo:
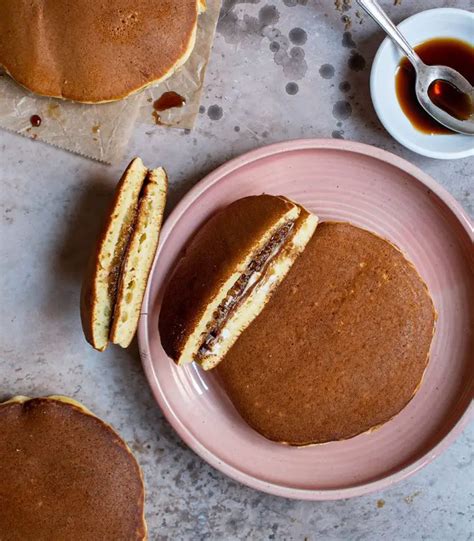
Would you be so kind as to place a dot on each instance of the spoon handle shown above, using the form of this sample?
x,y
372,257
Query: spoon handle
x,y
372,7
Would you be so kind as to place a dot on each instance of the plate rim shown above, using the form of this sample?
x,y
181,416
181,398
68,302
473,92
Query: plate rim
x,y
189,439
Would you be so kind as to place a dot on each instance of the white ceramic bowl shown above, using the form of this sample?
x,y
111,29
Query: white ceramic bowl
x,y
433,23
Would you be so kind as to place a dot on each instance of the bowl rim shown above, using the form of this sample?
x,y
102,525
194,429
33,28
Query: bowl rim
x,y
144,342
400,136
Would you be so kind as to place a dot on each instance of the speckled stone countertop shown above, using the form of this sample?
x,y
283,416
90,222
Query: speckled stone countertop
x,y
279,70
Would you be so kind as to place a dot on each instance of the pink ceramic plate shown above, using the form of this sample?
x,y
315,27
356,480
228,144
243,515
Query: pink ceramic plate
x,y
378,191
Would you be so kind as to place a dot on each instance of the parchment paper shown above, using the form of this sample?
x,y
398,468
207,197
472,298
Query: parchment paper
x,y
102,131
188,81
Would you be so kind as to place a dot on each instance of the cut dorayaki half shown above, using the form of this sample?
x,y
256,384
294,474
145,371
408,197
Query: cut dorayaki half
x,y
139,258
116,277
228,273
66,474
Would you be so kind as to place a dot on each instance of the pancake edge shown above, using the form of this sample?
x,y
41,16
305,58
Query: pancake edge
x,y
148,224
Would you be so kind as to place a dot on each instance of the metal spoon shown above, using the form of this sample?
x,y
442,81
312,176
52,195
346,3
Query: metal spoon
x,y
425,75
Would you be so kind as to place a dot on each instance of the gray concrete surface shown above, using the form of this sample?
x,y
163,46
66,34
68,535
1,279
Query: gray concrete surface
x,y
279,70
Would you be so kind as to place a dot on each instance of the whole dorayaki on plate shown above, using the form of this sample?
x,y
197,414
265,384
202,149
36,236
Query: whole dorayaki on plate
x,y
117,273
340,348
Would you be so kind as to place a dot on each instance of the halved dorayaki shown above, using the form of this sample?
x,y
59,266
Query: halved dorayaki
x,y
228,272
118,270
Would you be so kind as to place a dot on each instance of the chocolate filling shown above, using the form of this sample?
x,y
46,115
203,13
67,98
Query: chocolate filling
x,y
242,288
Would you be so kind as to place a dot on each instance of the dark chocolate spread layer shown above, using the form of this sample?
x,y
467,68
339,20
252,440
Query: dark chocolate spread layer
x,y
242,288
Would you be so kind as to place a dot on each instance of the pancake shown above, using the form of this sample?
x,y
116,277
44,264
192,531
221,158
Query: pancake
x,y
92,52
340,348
65,474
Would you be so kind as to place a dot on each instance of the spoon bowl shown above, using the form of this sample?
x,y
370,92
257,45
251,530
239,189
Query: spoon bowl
x,y
425,77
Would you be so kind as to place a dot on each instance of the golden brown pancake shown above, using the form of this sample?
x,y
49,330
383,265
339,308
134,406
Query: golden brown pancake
x,y
340,348
65,474
95,51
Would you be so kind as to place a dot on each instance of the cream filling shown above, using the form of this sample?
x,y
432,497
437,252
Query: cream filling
x,y
194,340
255,301
237,294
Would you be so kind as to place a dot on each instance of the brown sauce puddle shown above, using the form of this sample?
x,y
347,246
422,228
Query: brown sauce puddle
x,y
166,101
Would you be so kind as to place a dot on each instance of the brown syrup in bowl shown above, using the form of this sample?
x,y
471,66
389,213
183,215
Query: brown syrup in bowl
x,y
450,52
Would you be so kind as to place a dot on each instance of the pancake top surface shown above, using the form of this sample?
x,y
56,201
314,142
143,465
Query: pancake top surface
x,y
340,348
93,51
66,475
